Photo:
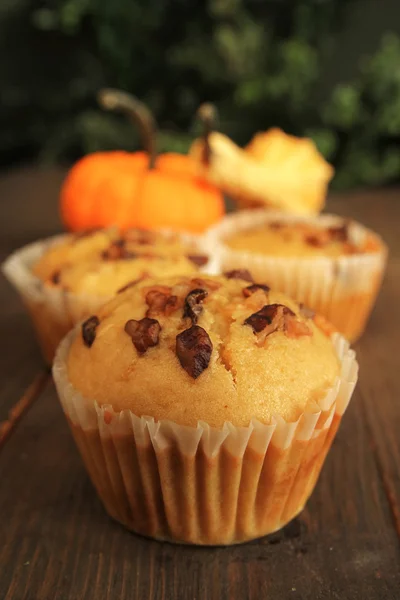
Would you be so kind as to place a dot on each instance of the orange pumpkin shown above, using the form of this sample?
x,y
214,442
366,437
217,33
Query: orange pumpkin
x,y
138,189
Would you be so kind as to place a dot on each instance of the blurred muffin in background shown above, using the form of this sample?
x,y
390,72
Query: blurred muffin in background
x,y
332,265
64,279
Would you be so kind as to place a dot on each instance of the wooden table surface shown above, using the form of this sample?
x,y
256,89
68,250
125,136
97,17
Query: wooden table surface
x,y
56,542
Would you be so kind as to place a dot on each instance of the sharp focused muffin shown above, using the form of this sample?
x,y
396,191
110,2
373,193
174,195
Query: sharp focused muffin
x,y
203,406
251,334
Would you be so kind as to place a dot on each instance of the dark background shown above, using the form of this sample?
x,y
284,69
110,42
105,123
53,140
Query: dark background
x,y
329,69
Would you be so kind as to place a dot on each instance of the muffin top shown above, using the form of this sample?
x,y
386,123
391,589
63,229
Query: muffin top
x,y
280,238
104,261
72,249
203,348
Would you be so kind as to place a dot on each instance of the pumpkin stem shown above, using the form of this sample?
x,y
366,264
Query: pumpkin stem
x,y
207,113
111,99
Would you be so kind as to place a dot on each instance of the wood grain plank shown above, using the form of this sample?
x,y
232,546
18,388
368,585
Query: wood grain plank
x,y
28,210
344,545
378,351
380,391
20,358
57,541
21,407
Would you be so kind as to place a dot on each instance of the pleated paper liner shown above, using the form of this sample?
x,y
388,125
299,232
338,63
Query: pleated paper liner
x,y
342,289
201,485
55,311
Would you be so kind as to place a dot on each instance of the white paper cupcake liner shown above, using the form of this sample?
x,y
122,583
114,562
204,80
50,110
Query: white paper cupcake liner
x,y
55,311
342,289
203,485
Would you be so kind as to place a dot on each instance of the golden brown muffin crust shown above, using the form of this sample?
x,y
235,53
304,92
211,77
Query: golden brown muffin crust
x,y
301,239
71,250
203,348
102,262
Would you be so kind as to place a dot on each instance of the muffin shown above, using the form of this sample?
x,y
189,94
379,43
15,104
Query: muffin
x,y
203,406
332,265
66,278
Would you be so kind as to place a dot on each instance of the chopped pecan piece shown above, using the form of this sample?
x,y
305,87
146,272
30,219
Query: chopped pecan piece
x,y
194,349
89,330
315,240
198,259
144,333
276,317
295,328
156,301
192,307
350,248
275,225
160,301
239,274
117,251
254,287
171,305
55,278
339,233
266,316
139,236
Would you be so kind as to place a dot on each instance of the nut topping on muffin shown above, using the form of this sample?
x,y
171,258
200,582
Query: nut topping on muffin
x,y
117,251
144,333
140,236
198,259
56,277
314,240
295,328
276,317
322,237
254,287
339,232
194,349
275,225
239,274
192,307
161,301
269,315
89,330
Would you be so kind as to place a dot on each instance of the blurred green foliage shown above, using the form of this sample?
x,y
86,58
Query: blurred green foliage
x,y
263,62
